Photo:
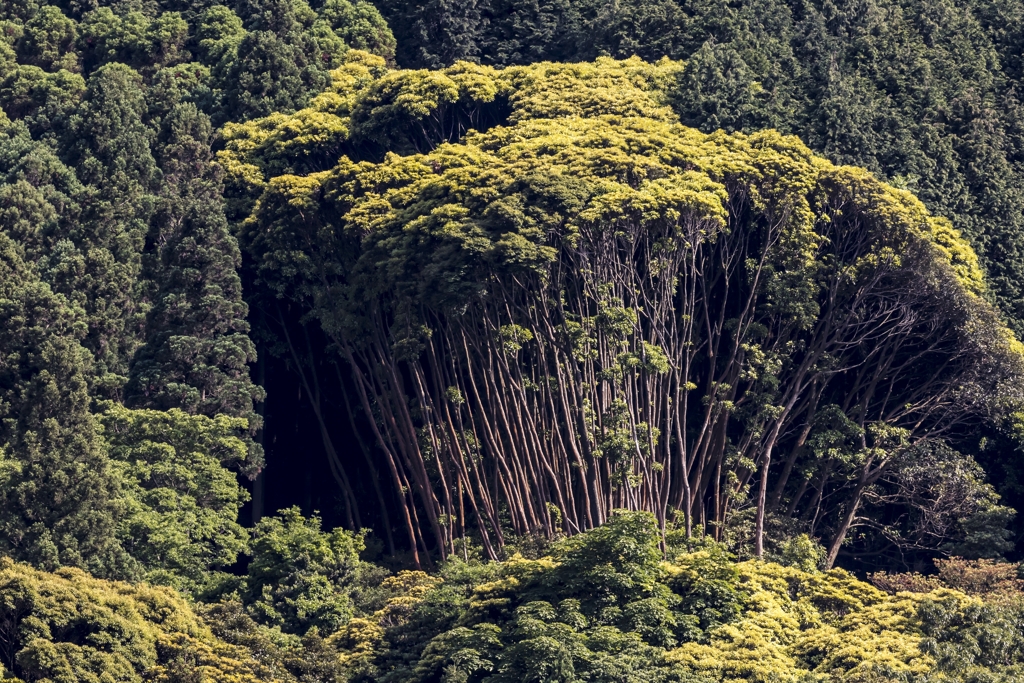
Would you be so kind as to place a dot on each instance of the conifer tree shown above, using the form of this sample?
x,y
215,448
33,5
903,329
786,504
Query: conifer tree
x,y
438,32
277,66
110,149
197,348
59,500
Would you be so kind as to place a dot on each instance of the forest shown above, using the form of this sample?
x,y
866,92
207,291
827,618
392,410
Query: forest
x,y
550,341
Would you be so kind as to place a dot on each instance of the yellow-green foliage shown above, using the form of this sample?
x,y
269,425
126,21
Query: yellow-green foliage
x,y
795,626
68,627
603,124
828,624
471,197
576,612
596,608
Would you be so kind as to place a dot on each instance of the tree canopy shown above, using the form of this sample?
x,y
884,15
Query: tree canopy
x,y
653,340
594,307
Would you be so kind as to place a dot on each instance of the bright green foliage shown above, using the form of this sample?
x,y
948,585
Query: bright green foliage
x,y
181,499
59,496
300,576
487,623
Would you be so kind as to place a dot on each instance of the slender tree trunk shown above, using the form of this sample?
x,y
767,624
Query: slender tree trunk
x,y
762,489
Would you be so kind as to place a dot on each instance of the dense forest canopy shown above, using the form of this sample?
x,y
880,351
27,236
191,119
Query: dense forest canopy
x,y
593,307
544,341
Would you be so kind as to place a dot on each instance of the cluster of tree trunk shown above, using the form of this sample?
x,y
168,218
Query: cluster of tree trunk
x,y
688,368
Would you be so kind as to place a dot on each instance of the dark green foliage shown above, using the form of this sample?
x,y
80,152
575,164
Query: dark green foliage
x,y
49,41
109,146
270,74
613,574
452,29
708,586
59,497
359,25
197,349
274,55
40,194
43,101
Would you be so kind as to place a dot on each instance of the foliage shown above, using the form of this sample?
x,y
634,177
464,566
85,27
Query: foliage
x,y
300,577
519,619
182,501
68,627
600,326
485,623
197,348
590,218
59,496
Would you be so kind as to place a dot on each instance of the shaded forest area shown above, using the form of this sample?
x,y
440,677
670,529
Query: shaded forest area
x,y
490,341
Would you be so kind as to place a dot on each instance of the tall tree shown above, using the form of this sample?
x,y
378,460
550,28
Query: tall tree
x,y
593,307
109,146
59,499
197,349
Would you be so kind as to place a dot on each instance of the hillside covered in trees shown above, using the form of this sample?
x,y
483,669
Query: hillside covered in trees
x,y
490,341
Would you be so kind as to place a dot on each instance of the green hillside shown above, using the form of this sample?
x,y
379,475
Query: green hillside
x,y
485,341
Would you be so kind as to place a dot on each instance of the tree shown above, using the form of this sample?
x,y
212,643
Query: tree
x,y
360,26
45,102
49,41
270,74
180,521
109,146
197,350
579,335
446,32
40,194
300,577
60,498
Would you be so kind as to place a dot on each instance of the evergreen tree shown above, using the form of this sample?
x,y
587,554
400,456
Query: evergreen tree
x,y
110,150
197,347
278,65
38,194
446,31
49,41
59,500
